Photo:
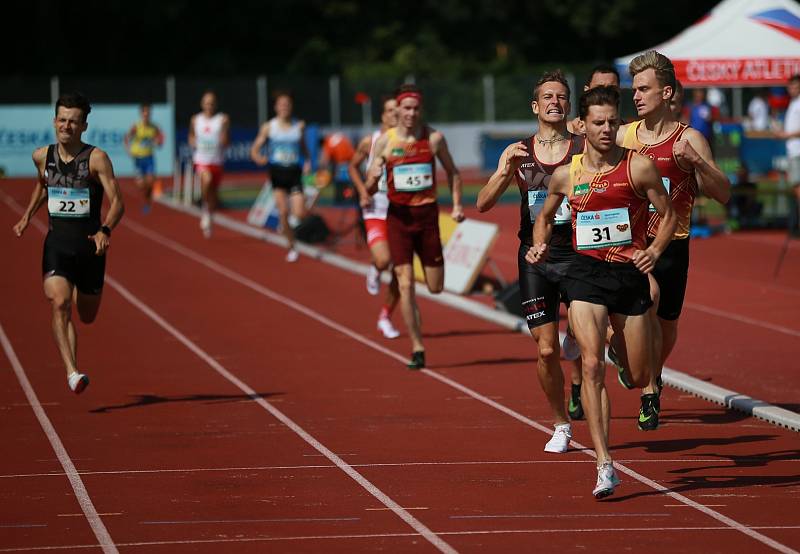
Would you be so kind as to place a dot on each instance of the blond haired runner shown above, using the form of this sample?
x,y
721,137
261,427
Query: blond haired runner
x,y
684,160
608,188
529,164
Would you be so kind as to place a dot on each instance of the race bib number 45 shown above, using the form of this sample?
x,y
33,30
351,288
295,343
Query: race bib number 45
x,y
603,229
412,177
536,200
68,202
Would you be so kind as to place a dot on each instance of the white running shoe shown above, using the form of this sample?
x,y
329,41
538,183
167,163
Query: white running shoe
x,y
569,346
77,382
607,480
292,255
373,280
205,224
559,442
385,326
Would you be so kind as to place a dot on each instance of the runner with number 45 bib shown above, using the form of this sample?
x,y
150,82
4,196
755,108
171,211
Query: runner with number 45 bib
x,y
608,189
408,154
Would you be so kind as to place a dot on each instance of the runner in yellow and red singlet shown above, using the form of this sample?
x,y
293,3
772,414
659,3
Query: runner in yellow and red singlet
x,y
409,153
609,188
684,160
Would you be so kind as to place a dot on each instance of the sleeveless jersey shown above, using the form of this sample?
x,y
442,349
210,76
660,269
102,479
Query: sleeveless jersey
x,y
410,170
380,201
681,184
144,140
283,149
532,179
74,197
208,134
609,216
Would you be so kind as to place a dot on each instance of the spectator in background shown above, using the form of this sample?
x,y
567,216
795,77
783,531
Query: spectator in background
x,y
337,151
676,102
701,116
744,206
140,142
791,133
758,112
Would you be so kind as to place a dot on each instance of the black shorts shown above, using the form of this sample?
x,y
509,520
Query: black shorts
x,y
620,287
541,286
289,179
671,273
74,259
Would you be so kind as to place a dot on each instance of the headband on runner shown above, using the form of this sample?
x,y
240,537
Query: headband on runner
x,y
409,94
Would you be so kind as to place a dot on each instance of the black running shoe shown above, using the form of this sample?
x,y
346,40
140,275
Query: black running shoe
x,y
660,386
621,371
575,407
648,413
417,360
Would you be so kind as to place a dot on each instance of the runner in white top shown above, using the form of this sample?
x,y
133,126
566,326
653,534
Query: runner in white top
x,y
374,209
208,137
286,147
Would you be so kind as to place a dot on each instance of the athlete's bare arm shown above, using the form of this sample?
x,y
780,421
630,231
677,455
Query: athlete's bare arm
x,y
647,180
439,147
128,136
159,136
693,151
100,166
39,191
621,134
557,189
375,169
192,137
261,139
507,166
354,170
304,149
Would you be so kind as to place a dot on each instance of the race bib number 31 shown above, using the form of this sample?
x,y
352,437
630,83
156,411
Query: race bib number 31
x,y
67,202
412,177
603,229
536,200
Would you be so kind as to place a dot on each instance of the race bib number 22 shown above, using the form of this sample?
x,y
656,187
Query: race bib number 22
x,y
68,202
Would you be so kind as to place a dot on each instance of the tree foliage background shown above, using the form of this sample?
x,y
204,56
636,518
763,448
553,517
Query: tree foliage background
x,y
323,37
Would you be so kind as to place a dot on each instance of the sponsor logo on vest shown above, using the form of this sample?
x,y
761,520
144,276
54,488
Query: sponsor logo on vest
x,y
600,187
398,151
622,227
581,189
618,185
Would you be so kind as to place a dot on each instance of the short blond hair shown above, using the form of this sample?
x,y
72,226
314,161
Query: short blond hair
x,y
662,65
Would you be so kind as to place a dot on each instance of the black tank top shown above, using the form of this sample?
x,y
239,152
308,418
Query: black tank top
x,y
69,184
534,175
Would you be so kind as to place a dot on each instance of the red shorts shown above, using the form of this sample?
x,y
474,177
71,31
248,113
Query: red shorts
x,y
376,231
215,170
414,229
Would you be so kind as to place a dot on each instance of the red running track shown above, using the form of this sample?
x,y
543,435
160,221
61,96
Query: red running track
x,y
242,404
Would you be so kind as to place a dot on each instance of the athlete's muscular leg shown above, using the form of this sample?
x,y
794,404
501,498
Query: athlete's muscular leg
x,y
381,258
589,322
637,333
434,278
208,190
408,304
88,305
297,201
59,292
658,337
282,204
551,377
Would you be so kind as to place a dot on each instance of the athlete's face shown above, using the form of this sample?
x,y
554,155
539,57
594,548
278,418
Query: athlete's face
x,y
601,124
409,112
145,113
648,94
283,107
794,88
69,124
602,80
552,104
208,103
389,115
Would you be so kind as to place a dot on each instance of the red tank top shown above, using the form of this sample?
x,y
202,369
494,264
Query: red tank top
x,y
609,216
410,169
681,184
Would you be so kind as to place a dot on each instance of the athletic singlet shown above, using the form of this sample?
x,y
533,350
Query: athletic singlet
x,y
74,197
681,184
143,140
532,179
208,136
609,216
410,169
283,149
380,201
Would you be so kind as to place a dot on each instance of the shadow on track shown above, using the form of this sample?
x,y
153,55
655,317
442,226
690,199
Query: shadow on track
x,y
144,400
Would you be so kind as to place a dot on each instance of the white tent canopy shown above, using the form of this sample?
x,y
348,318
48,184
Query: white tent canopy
x,y
738,43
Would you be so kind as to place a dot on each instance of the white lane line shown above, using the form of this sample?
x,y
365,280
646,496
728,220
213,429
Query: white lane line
x,y
743,319
552,461
477,532
81,494
268,520
384,499
207,262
